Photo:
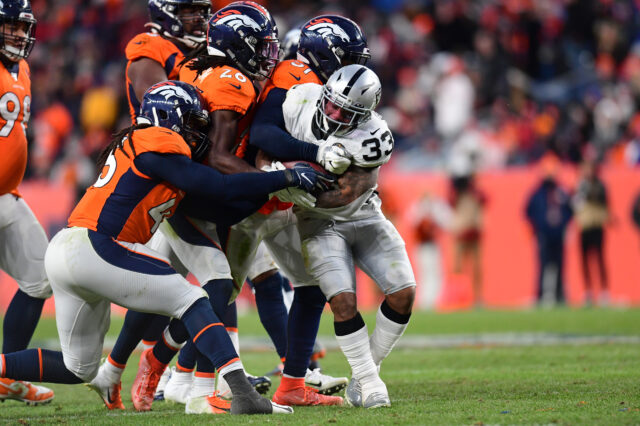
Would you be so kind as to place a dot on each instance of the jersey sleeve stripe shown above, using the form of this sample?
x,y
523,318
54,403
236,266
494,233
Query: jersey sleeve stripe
x,y
170,63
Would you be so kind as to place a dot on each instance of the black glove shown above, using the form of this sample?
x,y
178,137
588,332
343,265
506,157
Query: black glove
x,y
307,178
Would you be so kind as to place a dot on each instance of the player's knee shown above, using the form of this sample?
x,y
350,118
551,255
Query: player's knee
x,y
39,290
85,370
188,299
344,306
402,301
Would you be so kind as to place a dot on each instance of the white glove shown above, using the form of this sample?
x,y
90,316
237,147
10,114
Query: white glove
x,y
296,196
275,166
333,157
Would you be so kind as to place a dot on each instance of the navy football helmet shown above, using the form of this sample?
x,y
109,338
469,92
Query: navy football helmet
x,y
247,35
18,29
289,45
329,42
178,106
170,19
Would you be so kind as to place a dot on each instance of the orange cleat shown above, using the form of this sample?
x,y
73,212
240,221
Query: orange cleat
x,y
304,396
110,395
24,391
211,404
144,386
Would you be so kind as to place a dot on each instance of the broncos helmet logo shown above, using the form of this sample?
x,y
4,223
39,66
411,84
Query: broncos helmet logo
x,y
170,91
326,28
235,20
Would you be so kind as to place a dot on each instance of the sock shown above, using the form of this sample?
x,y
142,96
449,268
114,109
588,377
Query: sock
x,y
390,325
204,365
135,324
113,370
272,310
230,318
155,328
166,348
219,292
353,339
37,365
302,329
235,340
187,356
208,334
20,321
203,384
288,383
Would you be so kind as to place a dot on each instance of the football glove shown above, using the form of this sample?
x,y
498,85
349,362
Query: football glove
x,y
333,157
307,178
297,197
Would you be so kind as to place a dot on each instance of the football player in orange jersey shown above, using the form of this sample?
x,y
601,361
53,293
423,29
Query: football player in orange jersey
x,y
100,257
197,249
325,44
176,28
23,240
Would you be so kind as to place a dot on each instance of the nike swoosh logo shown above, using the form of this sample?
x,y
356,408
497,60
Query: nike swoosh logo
x,y
374,132
109,399
138,42
237,87
294,76
304,176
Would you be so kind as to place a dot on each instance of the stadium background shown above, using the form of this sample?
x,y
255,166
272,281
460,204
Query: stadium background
x,y
503,84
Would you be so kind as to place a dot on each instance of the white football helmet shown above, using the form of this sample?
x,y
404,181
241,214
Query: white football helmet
x,y
348,98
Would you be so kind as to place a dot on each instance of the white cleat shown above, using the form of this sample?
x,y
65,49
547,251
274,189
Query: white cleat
x,y
324,384
375,395
162,384
211,404
107,389
222,388
353,394
281,409
179,386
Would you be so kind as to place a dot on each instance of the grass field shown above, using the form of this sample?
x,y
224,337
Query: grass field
x,y
519,383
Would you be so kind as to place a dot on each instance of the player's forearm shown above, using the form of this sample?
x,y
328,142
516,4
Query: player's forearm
x,y
352,184
227,163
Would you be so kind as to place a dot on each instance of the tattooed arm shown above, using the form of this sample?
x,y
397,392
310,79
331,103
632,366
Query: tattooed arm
x,y
352,184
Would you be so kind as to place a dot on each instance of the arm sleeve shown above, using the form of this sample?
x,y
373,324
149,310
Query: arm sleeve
x,y
268,132
199,180
226,214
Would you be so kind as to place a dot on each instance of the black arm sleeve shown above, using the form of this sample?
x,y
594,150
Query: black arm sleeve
x,y
199,180
268,132
226,214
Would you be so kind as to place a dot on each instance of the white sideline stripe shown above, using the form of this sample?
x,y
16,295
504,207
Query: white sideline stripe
x,y
256,343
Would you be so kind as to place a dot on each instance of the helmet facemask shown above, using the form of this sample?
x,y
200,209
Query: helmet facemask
x,y
337,115
17,37
194,24
195,128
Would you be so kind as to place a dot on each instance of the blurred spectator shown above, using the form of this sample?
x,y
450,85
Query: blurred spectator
x,y
549,212
591,214
430,216
467,203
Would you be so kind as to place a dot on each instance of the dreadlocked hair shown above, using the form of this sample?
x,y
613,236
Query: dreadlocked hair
x,y
118,141
200,61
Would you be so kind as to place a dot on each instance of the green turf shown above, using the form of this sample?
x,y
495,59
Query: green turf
x,y
562,384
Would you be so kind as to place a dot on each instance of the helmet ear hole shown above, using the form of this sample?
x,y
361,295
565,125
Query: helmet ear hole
x,y
162,114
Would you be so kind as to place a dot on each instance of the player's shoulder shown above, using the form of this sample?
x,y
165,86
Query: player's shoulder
x,y
226,82
374,124
304,93
291,72
160,140
149,45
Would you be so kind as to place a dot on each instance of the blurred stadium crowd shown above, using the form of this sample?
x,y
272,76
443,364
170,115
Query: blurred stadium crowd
x,y
496,82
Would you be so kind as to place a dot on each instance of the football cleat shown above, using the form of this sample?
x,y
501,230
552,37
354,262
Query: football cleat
x,y
261,384
144,386
211,404
324,384
277,370
110,394
375,395
179,386
353,394
162,384
304,396
24,391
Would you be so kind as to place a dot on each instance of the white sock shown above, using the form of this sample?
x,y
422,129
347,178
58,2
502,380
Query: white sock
x,y
2,366
203,384
236,365
112,372
233,335
384,337
355,347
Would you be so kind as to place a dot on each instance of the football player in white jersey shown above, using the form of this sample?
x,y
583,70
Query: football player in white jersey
x,y
346,227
